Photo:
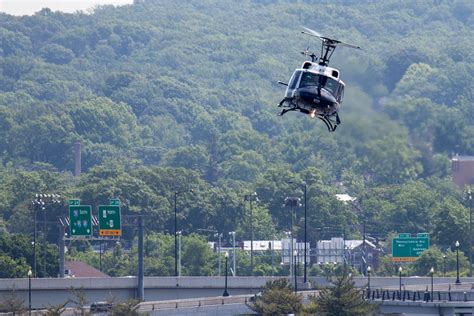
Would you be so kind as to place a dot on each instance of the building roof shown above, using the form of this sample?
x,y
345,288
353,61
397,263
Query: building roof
x,y
336,242
345,198
261,245
79,269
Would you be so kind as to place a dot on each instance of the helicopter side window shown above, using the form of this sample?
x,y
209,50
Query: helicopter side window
x,y
294,80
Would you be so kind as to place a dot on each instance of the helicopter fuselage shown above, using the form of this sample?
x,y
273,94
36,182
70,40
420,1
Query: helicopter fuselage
x,y
314,89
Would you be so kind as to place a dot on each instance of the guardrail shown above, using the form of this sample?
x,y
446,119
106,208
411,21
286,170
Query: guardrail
x,y
205,301
418,296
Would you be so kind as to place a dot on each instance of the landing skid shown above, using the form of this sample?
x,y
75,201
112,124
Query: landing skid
x,y
329,121
331,124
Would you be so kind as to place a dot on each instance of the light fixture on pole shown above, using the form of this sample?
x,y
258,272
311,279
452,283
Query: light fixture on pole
x,y
179,252
219,238
290,251
368,281
431,274
444,265
234,272
225,288
176,193
400,282
305,228
469,197
251,198
295,254
458,281
292,203
29,291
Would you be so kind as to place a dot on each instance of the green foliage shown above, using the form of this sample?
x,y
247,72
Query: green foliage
x,y
276,298
342,299
169,97
125,309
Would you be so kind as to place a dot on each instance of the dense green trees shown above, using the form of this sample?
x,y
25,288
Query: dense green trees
x,y
341,299
168,97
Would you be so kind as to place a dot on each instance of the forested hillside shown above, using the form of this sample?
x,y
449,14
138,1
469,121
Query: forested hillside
x,y
168,96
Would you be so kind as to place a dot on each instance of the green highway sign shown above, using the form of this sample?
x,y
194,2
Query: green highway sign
x,y
406,248
81,220
114,202
109,220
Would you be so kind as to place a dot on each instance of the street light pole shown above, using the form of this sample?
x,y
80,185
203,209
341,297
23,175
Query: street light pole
x,y
368,281
469,196
305,235
179,253
29,292
290,252
458,281
305,229
251,198
175,236
225,288
176,230
400,282
432,273
295,254
292,203
219,236
234,273
444,265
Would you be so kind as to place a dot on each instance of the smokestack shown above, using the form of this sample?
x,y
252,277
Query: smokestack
x,y
77,159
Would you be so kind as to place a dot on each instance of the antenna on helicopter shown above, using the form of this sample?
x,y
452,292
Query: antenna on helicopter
x,y
328,45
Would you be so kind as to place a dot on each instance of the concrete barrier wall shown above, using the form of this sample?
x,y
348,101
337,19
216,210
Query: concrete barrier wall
x,y
55,291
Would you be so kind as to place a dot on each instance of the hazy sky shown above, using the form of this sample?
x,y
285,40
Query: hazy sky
x,y
28,7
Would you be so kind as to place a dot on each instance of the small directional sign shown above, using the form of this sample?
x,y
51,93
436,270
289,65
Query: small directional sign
x,y
109,219
74,202
80,217
114,202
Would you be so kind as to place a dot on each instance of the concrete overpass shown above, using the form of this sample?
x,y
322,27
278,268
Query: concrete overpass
x,y
55,291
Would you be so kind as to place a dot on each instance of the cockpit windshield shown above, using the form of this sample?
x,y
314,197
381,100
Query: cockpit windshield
x,y
312,79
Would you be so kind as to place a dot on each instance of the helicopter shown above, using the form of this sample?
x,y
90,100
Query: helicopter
x,y
316,89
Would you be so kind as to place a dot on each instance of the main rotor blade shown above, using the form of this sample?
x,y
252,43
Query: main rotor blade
x,y
348,45
328,40
311,32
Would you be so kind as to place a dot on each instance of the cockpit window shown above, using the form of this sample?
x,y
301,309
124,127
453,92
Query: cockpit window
x,y
311,79
294,79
